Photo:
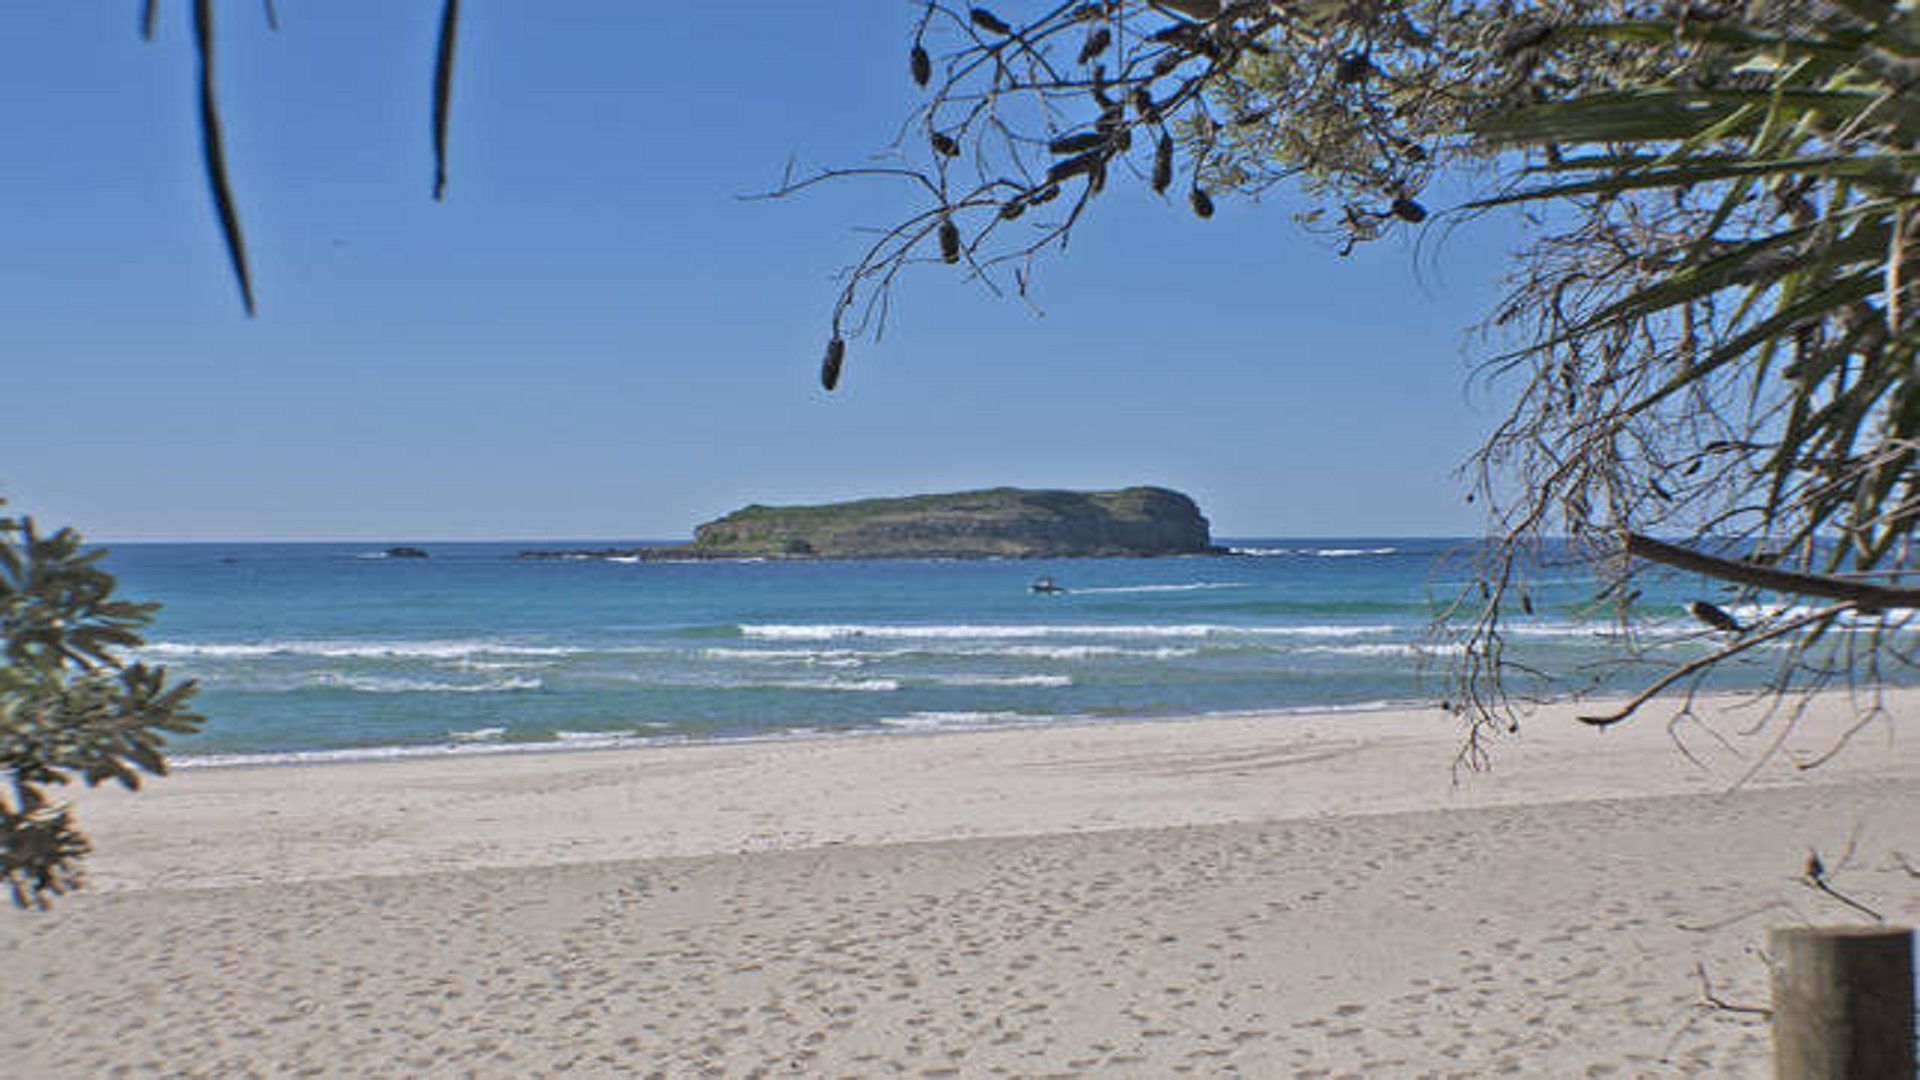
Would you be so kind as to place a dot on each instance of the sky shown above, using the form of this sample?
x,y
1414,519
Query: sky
x,y
596,337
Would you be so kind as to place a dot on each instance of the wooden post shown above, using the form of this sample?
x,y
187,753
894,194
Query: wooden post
x,y
1842,1002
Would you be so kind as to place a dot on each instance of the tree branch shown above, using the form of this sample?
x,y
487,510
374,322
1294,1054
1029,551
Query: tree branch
x,y
1867,598
1689,668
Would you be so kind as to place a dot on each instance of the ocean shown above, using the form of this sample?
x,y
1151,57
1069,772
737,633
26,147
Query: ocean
x,y
334,650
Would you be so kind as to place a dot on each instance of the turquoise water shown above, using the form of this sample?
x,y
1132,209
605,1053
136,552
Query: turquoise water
x,y
331,649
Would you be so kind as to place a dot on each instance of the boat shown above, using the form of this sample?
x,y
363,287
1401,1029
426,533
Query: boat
x,y
1046,587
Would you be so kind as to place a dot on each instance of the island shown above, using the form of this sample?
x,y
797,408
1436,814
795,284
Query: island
x,y
998,523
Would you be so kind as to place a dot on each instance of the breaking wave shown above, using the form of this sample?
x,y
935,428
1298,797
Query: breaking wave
x,y
965,721
1315,553
341,648
375,684
1002,680
837,631
1197,586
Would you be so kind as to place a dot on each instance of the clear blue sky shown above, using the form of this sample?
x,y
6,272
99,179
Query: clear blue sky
x,y
593,337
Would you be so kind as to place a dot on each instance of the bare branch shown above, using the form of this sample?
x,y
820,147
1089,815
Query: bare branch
x,y
1861,596
1694,666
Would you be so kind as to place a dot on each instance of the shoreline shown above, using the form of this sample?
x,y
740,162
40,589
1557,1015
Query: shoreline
x,y
615,742
632,740
303,820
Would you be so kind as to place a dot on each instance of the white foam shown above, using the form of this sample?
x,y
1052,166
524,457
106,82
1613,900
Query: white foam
x,y
1609,633
1197,586
846,686
858,657
1378,649
503,665
342,648
485,734
591,740
1764,615
1321,553
963,721
837,631
835,658
1003,680
374,684
1086,652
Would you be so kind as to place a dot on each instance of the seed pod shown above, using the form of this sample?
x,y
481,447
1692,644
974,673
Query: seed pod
x,y
1097,43
1713,616
830,367
1407,210
1044,195
943,144
1074,166
1163,164
949,241
1097,179
1201,201
1077,144
988,21
1353,68
1012,208
1144,107
920,65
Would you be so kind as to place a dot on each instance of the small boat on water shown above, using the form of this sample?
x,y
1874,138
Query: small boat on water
x,y
1046,587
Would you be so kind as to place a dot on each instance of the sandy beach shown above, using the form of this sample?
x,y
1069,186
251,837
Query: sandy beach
x,y
1262,896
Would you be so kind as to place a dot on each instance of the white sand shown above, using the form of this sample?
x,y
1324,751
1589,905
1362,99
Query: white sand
x,y
1261,896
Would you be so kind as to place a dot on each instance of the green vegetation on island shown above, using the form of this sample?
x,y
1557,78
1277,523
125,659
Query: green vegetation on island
x,y
1013,523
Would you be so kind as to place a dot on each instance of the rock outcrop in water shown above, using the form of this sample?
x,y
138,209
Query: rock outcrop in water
x,y
997,523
